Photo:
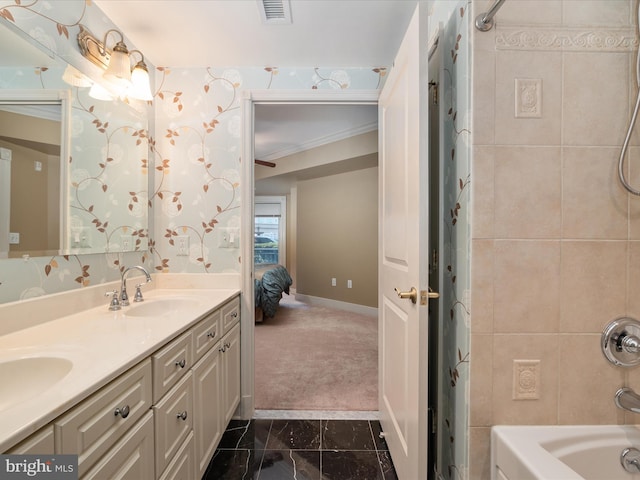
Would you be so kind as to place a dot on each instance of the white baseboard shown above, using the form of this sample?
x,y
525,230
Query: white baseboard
x,y
337,304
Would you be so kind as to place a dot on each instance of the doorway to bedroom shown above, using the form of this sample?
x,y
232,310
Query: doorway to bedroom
x,y
316,211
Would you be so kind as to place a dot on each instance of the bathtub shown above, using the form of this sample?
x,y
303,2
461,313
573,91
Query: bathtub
x,y
562,452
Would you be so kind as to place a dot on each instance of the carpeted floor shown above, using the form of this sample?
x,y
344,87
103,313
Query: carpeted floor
x,y
316,358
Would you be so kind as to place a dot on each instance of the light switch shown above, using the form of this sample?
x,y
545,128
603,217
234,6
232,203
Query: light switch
x,y
182,242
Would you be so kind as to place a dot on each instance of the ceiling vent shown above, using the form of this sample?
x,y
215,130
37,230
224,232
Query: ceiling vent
x,y
275,11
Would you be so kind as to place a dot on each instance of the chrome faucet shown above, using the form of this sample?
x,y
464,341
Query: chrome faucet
x,y
124,297
627,399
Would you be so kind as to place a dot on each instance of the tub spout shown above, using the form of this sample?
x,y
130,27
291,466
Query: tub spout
x,y
627,399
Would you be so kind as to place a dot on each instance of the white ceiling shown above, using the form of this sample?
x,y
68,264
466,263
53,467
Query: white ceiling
x,y
327,33
282,130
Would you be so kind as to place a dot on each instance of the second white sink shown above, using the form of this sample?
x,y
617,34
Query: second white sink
x,y
160,306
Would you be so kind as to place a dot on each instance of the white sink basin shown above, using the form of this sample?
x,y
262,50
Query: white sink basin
x,y
24,378
160,306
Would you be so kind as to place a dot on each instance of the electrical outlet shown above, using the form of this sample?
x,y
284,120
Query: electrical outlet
x,y
349,284
333,282
14,238
182,242
127,242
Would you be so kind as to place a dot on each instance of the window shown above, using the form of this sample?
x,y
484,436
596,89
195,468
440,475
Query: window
x,y
269,230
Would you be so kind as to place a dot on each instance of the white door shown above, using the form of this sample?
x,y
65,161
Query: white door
x,y
403,258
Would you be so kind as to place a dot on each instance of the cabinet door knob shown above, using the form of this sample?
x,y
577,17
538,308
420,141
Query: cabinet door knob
x,y
123,411
182,415
181,363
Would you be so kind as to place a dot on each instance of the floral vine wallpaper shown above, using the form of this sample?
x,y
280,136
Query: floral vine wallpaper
x,y
197,155
455,99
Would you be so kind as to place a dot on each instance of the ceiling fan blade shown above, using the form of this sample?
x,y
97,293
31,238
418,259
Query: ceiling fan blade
x,y
264,163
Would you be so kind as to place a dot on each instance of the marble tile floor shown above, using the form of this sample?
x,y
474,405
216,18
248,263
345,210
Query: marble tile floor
x,y
309,449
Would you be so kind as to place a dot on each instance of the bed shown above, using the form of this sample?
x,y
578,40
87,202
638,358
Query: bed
x,y
270,281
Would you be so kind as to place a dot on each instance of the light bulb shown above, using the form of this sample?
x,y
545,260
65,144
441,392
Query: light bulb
x,y
140,88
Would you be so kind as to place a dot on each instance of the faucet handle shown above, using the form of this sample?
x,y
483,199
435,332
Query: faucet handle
x,y
138,296
114,304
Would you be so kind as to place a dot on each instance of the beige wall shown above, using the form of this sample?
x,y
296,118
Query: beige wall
x,y
556,240
30,192
34,214
337,236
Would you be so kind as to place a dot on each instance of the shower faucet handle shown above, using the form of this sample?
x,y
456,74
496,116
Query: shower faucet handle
x,y
620,342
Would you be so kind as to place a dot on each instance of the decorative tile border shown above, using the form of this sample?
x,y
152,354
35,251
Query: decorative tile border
x,y
565,39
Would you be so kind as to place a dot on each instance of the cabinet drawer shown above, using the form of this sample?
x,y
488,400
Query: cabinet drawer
x,y
39,443
230,314
170,364
183,466
131,457
173,420
206,334
92,427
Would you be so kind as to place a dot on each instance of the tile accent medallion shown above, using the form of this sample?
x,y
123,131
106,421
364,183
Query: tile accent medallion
x,y
528,97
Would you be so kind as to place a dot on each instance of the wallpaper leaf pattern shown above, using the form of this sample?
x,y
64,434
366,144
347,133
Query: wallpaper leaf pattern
x,y
454,417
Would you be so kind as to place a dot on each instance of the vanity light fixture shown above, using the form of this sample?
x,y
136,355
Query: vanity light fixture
x,y
116,62
76,78
140,83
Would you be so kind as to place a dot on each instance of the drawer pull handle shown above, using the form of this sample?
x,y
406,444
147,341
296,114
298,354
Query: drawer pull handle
x,y
227,345
181,363
234,314
211,334
123,412
223,349
182,415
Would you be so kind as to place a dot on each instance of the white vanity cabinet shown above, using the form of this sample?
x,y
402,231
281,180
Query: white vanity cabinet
x,y
92,427
161,419
230,373
173,420
38,443
131,457
207,375
217,391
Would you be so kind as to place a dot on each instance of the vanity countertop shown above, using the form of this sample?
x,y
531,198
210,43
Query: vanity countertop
x,y
101,344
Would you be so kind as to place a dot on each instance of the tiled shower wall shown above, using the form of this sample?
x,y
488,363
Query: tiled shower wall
x,y
555,238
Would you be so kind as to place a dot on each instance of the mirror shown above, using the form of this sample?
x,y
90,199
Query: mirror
x,y
86,192
32,144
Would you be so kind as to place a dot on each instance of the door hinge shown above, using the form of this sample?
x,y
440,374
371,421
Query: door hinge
x,y
433,86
